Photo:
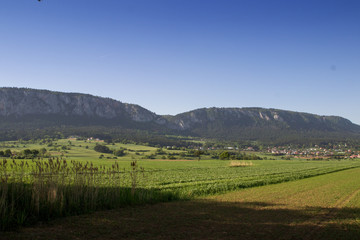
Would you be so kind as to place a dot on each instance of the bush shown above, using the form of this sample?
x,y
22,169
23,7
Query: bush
x,y
102,149
7,153
224,155
119,153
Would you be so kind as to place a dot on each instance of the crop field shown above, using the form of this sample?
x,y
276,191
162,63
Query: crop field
x,y
321,207
74,179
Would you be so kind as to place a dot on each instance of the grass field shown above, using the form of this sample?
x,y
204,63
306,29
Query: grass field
x,y
322,207
55,188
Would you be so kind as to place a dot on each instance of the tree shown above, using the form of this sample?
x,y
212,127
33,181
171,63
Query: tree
x,y
7,153
119,152
43,151
27,152
102,149
160,151
224,155
35,152
198,154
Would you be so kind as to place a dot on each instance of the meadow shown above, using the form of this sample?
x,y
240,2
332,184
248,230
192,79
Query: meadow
x,y
74,179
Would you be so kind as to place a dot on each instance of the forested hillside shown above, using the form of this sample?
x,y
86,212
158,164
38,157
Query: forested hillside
x,y
31,113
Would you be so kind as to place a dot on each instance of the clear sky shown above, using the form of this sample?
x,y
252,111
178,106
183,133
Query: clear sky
x,y
172,56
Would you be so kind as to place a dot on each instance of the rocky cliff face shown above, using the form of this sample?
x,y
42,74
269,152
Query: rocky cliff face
x,y
259,117
20,102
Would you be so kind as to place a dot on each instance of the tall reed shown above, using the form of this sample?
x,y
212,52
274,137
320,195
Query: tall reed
x,y
51,188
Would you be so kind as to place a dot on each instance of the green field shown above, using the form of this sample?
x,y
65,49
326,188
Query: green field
x,y
322,207
75,180
189,177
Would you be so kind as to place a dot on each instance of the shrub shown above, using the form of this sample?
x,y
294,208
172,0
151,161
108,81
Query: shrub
x,y
224,155
119,153
102,149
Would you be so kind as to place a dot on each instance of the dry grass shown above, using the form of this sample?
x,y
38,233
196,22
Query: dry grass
x,y
240,164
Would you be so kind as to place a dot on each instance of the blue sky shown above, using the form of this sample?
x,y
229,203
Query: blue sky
x,y
172,56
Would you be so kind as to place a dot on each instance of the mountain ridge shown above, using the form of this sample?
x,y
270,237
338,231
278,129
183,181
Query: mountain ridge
x,y
33,108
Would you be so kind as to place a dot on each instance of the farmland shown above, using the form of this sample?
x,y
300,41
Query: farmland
x,y
189,176
322,207
71,178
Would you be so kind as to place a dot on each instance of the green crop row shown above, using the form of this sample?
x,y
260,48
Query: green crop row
x,y
44,189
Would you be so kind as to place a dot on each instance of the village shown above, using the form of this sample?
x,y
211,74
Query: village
x,y
335,151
